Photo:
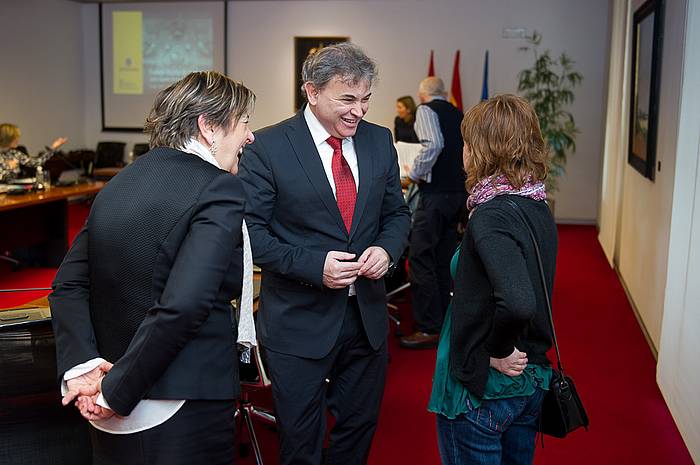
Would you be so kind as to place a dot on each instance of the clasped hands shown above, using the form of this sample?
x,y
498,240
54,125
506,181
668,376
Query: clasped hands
x,y
340,272
85,389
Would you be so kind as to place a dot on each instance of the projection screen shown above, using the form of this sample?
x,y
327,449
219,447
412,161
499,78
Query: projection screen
x,y
145,47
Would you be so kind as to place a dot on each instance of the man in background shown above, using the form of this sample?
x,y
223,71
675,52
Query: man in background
x,y
440,177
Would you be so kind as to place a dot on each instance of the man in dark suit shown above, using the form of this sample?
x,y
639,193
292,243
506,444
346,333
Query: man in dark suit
x,y
148,282
327,218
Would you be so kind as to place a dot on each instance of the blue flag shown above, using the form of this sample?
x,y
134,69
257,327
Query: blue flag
x,y
485,83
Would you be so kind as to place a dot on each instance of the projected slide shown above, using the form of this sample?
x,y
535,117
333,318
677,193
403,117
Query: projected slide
x,y
128,52
148,46
174,47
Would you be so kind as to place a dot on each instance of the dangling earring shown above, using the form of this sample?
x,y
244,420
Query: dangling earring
x,y
212,148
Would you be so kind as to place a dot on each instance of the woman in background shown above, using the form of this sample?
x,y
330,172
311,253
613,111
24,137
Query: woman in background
x,y
13,160
405,117
492,369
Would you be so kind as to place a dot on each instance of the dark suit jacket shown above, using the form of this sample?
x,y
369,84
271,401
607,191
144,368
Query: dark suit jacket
x,y
294,221
148,282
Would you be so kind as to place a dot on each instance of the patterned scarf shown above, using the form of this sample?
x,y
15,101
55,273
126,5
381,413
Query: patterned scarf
x,y
492,186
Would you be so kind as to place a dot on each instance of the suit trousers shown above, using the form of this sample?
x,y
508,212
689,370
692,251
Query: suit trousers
x,y
356,375
434,239
201,432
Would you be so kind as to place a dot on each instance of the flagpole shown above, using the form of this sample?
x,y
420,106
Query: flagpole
x,y
485,82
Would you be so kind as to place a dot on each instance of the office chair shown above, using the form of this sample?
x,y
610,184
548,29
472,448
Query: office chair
x,y
5,256
253,378
109,154
397,283
140,149
400,280
36,429
109,158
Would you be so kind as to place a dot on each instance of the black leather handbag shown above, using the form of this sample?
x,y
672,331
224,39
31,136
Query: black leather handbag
x,y
562,409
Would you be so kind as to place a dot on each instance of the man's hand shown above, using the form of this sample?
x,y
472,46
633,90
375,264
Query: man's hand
x,y
375,262
86,382
338,273
513,365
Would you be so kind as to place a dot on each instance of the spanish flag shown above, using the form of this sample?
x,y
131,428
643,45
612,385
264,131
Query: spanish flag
x,y
456,91
431,66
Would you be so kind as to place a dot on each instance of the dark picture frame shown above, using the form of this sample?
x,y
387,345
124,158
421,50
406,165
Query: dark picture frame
x,y
302,47
647,43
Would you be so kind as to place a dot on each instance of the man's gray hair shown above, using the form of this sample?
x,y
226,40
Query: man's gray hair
x,y
432,86
346,61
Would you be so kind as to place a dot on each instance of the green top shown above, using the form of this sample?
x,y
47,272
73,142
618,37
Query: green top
x,y
451,399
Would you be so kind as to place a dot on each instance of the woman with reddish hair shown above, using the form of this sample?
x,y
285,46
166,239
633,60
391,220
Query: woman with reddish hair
x,y
492,369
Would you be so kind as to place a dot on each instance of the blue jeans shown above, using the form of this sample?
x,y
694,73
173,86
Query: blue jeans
x,y
499,432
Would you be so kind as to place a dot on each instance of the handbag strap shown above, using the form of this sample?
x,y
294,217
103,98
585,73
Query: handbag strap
x,y
518,211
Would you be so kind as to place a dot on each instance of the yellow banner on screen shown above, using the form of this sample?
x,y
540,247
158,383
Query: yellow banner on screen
x,y
127,32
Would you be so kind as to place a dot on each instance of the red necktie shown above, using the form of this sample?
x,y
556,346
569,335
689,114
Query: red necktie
x,y
345,191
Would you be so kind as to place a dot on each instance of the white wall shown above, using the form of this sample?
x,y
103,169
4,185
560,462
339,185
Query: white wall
x,y
677,372
55,65
42,77
653,233
399,35
645,216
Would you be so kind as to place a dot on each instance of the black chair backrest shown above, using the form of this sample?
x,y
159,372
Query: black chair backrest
x,y
41,430
109,154
140,149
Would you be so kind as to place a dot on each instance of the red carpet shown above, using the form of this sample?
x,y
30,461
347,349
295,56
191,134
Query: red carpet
x,y
601,345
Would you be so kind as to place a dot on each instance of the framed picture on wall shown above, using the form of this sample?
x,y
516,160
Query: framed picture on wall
x,y
303,46
647,38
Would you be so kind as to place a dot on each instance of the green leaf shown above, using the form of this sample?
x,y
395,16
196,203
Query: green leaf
x,y
548,85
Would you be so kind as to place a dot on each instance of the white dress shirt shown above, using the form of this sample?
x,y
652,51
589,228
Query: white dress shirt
x,y
320,135
427,127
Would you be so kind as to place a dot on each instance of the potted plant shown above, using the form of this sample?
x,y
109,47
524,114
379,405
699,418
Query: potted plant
x,y
548,85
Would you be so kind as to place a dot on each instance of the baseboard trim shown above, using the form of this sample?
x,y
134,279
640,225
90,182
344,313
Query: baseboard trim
x,y
575,221
650,343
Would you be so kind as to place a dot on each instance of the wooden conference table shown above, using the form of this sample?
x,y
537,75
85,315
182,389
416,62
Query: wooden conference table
x,y
39,220
40,307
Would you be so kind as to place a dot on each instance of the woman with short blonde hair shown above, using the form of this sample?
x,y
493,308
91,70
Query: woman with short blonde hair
x,y
14,159
9,135
146,343
492,369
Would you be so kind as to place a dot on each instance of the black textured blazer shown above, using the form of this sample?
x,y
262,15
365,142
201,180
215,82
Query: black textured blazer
x,y
148,282
294,221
